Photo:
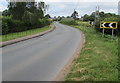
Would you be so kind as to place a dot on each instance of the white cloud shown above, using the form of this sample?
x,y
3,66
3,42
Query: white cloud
x,y
61,8
3,5
79,0
66,7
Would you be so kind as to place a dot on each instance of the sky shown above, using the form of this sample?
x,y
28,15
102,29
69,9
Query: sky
x,y
66,7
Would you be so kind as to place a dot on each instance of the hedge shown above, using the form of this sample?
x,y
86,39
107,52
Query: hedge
x,y
68,21
10,25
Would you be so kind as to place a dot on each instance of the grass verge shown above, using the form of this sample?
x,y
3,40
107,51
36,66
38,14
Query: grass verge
x,y
22,34
98,60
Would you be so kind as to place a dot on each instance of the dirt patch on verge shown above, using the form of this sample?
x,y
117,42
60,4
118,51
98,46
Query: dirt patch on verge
x,y
79,79
79,70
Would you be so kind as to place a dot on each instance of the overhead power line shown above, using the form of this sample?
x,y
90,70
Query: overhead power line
x,y
77,4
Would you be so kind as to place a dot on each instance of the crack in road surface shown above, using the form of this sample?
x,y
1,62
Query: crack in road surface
x,y
40,58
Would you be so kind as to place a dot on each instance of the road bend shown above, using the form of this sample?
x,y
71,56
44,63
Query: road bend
x,y
40,58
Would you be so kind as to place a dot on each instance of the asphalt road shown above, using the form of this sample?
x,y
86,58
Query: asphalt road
x,y
40,58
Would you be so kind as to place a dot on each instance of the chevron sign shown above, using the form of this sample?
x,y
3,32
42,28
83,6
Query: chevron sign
x,y
109,25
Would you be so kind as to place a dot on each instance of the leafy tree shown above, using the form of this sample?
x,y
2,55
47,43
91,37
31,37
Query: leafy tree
x,y
47,16
68,17
42,6
59,18
17,9
86,17
22,16
54,16
74,15
28,18
63,16
6,13
92,17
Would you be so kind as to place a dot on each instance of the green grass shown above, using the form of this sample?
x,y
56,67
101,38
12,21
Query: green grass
x,y
98,60
23,34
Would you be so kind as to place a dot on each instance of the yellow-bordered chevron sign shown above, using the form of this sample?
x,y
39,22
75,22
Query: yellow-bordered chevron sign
x,y
90,23
109,25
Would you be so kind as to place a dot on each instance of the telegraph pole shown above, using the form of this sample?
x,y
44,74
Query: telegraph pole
x,y
96,15
119,8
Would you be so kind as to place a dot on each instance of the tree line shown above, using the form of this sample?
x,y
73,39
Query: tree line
x,y
103,17
108,17
21,16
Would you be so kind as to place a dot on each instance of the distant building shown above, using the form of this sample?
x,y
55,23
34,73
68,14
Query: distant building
x,y
119,8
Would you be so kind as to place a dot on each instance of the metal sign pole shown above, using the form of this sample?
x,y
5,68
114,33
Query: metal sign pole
x,y
112,33
103,32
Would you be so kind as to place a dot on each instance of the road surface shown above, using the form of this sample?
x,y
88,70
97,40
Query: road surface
x,y
40,58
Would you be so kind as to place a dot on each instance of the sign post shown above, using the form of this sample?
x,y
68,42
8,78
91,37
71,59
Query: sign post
x,y
103,32
112,33
109,25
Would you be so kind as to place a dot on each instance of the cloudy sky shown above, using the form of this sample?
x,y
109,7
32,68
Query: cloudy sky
x,y
66,7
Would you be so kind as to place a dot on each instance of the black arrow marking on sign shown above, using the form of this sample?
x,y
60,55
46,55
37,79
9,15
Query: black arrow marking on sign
x,y
114,25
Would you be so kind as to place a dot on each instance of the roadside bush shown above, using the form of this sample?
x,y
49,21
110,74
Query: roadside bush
x,y
68,21
5,29
27,18
5,24
30,20
10,25
84,24
43,22
16,26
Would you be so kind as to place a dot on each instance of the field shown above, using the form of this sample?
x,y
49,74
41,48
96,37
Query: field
x,y
22,34
98,60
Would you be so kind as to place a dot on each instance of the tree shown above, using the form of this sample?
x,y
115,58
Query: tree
x,y
59,18
6,13
22,16
28,18
92,17
17,9
74,15
54,16
63,16
86,17
68,17
42,6
47,16
31,6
